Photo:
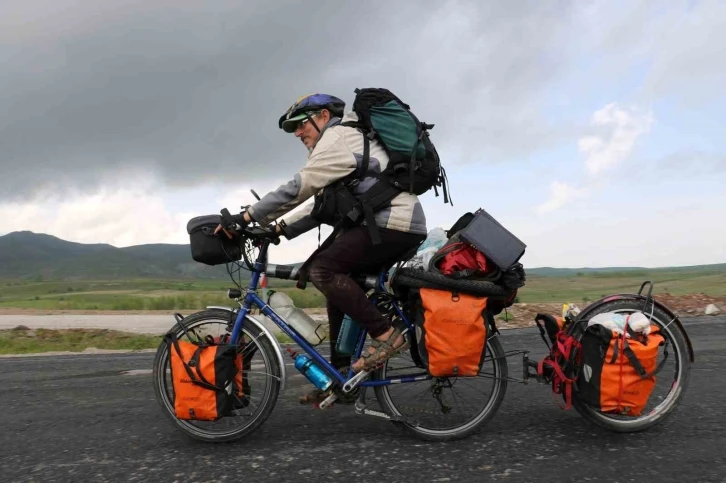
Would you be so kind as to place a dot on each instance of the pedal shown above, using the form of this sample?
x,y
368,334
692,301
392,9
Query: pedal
x,y
355,380
328,401
363,410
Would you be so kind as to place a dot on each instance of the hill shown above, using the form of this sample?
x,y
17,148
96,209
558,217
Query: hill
x,y
28,255
37,256
605,271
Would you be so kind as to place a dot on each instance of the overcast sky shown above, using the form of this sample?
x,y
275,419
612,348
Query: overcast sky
x,y
591,129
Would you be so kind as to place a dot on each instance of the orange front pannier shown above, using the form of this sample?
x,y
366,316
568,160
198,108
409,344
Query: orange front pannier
x,y
618,373
454,333
207,379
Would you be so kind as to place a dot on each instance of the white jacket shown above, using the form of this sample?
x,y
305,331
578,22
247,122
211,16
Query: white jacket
x,y
338,152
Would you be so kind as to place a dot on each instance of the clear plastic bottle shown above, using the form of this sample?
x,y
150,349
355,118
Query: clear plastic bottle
x,y
305,325
310,370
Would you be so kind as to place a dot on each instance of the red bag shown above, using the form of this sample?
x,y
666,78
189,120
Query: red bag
x,y
463,258
458,259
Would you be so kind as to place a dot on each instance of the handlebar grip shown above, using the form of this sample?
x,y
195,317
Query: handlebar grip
x,y
285,272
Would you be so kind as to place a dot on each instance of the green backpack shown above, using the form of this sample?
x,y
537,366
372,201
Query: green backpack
x,y
413,166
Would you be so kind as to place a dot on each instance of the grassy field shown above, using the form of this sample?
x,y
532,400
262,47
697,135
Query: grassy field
x,y
185,295
592,286
134,294
22,341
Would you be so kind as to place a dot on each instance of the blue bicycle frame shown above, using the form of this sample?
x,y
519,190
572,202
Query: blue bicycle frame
x,y
252,299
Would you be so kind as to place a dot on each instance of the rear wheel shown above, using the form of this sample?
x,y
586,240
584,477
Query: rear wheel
x,y
444,409
261,373
671,381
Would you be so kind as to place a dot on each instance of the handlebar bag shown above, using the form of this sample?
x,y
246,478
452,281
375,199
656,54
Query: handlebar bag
x,y
209,248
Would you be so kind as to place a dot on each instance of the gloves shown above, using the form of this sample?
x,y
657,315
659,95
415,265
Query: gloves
x,y
233,223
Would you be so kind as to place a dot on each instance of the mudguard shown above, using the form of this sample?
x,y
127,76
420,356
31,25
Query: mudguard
x,y
599,303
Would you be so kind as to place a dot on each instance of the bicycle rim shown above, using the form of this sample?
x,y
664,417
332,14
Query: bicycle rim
x,y
670,386
262,374
462,404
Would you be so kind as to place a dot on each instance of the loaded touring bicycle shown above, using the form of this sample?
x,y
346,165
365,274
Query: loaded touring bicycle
x,y
219,372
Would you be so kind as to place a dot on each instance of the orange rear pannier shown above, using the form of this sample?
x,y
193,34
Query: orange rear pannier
x,y
618,372
453,332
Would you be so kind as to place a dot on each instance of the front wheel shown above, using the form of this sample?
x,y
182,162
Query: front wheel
x,y
671,381
444,409
261,373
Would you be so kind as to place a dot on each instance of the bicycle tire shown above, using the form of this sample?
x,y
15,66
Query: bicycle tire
x,y
417,278
264,348
496,352
683,364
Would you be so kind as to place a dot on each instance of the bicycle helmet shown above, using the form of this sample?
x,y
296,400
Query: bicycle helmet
x,y
302,108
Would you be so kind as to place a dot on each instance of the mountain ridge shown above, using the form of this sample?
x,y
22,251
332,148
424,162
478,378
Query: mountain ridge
x,y
28,255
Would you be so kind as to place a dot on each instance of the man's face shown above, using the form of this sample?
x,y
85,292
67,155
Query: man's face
x,y
306,131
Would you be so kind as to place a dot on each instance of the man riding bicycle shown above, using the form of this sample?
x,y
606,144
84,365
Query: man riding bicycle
x,y
335,152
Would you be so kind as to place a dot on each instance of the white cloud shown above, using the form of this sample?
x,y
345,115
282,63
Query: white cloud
x,y
624,126
145,214
120,218
660,233
560,195
619,128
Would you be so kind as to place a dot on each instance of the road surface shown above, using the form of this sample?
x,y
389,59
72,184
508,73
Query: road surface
x,y
77,418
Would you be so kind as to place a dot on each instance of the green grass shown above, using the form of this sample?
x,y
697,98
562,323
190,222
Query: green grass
x,y
20,341
175,295
590,287
129,295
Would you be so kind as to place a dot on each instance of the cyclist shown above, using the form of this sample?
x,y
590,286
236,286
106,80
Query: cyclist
x,y
334,152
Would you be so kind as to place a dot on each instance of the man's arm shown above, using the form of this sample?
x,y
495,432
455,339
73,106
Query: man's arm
x,y
299,222
330,161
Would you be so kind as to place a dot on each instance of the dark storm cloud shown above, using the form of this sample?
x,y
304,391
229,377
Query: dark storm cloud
x,y
191,91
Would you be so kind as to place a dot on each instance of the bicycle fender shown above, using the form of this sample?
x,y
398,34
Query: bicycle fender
x,y
626,296
275,344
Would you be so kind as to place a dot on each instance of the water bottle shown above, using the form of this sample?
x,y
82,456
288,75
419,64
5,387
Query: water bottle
x,y
306,326
310,370
348,337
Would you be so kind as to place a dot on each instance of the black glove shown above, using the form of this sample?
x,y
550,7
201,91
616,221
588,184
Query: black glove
x,y
231,222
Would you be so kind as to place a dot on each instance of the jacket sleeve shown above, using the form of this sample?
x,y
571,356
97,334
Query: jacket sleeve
x,y
299,222
330,161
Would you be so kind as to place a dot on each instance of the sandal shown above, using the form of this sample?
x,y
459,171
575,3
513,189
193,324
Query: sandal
x,y
384,350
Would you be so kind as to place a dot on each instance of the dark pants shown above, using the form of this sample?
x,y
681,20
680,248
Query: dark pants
x,y
353,253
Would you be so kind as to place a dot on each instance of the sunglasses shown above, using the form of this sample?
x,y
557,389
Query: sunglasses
x,y
302,123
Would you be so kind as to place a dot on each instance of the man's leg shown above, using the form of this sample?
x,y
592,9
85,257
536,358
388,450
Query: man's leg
x,y
335,322
353,252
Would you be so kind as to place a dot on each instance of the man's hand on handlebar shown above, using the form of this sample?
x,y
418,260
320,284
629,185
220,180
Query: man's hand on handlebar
x,y
233,225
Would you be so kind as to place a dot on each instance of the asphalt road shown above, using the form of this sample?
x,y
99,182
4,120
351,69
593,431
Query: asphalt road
x,y
79,418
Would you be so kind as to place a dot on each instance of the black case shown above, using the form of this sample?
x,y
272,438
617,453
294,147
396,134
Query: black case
x,y
209,248
496,242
